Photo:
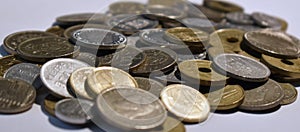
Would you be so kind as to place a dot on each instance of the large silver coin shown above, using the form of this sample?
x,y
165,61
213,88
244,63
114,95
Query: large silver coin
x,y
241,67
55,74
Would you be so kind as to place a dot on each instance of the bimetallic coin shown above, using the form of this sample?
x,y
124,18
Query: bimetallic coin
x,y
170,125
160,12
126,8
12,41
239,18
266,20
16,96
73,111
88,58
263,97
222,6
241,67
70,31
7,62
80,18
271,43
200,23
107,77
57,30
229,97
185,102
49,104
55,74
150,85
27,72
290,93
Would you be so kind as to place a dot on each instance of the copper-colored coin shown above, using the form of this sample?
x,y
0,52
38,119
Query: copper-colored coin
x,y
126,8
290,93
6,62
49,104
222,6
57,30
69,31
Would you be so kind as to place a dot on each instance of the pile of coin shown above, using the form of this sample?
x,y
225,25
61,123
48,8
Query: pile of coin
x,y
150,67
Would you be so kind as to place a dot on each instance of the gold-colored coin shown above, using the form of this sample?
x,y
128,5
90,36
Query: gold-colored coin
x,y
170,125
290,93
229,97
244,53
285,79
49,104
284,24
7,62
200,72
56,30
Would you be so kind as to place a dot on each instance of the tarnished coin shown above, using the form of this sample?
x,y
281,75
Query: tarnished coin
x,y
80,18
59,31
170,125
12,41
290,93
107,77
55,74
200,23
16,96
150,85
241,67
126,8
271,43
200,72
77,80
240,18
88,58
46,48
222,6
131,108
160,12
262,97
266,20
99,39
7,62
27,72
229,97
68,33
185,102
73,111
49,104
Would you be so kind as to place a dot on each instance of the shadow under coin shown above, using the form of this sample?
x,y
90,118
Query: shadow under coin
x,y
56,122
2,51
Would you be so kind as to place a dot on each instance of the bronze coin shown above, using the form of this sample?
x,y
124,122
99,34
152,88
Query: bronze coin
x,y
69,31
126,8
223,6
49,104
16,96
290,93
12,41
57,30
150,85
80,18
7,62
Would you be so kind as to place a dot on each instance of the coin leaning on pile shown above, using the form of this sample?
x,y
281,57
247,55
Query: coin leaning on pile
x,y
152,67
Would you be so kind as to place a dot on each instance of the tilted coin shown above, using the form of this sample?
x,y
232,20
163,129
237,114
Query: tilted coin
x,y
12,41
56,30
290,93
200,72
108,77
49,104
262,97
126,8
271,43
170,125
210,13
284,24
80,18
222,6
150,85
241,67
46,48
68,33
6,62
239,18
27,72
73,111
185,102
16,96
160,12
266,20
55,74
131,108
88,58
77,80
226,98
200,23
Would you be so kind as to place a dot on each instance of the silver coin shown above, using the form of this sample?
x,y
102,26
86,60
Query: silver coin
x,y
150,85
240,18
73,111
241,67
266,20
55,74
200,23
88,58
27,72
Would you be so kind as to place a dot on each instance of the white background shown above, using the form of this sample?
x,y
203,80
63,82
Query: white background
x,y
18,15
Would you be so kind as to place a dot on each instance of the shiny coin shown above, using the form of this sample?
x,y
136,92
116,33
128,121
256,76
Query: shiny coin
x,y
229,97
56,30
266,20
263,97
46,48
271,43
99,39
16,96
7,62
186,103
70,31
27,72
80,18
150,85
290,93
160,12
126,8
55,74
241,67
73,111
77,80
200,72
12,41
131,108
170,125
222,6
239,18
88,58
108,77
200,23
49,104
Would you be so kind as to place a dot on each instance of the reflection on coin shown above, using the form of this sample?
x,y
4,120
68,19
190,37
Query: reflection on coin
x,y
56,30
55,74
131,108
222,6
88,58
69,31
263,97
241,67
7,62
186,103
170,125
290,93
16,96
239,18
72,111
27,72
80,18
266,20
49,104
126,8
150,85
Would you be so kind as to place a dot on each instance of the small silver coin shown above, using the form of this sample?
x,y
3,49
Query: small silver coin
x,y
266,20
240,18
55,74
88,58
27,72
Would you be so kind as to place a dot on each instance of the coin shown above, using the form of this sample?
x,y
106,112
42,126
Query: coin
x,y
263,97
170,125
200,23
223,6
77,80
12,41
107,77
243,27
80,18
55,74
49,104
150,85
271,43
241,67
266,20
284,24
211,14
70,31
56,30
239,18
16,96
200,72
72,111
88,58
215,51
131,108
126,8
160,12
171,78
46,48
27,72
290,93
226,98
186,103
6,62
